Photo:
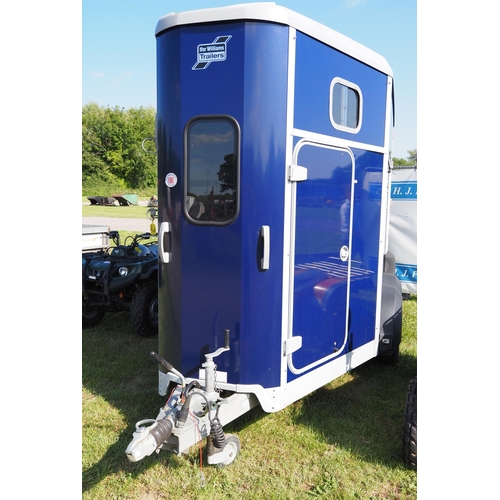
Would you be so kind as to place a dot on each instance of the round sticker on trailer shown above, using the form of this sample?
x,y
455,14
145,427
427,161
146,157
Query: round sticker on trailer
x,y
170,180
344,253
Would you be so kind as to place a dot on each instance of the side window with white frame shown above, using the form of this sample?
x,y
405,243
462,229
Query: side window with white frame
x,y
346,105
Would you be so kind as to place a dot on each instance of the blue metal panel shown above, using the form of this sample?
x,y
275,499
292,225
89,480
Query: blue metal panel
x,y
263,187
316,66
214,281
365,245
169,137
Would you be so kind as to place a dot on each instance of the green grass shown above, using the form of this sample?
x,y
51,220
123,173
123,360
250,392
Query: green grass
x,y
132,211
341,442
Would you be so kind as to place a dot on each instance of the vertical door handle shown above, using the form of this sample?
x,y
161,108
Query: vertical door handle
x,y
265,235
165,228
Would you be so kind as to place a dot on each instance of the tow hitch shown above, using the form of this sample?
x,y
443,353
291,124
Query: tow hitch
x,y
192,413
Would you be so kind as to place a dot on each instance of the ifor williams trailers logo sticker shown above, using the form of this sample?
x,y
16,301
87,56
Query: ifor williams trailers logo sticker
x,y
208,53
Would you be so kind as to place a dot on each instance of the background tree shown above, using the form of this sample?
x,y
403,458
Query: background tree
x,y
412,157
112,151
410,161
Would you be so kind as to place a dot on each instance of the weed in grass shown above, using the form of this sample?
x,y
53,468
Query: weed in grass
x,y
328,487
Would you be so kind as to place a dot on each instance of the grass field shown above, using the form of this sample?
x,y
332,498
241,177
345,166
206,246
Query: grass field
x,y
341,442
132,211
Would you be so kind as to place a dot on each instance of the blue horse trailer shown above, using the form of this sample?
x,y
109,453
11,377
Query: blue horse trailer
x,y
274,173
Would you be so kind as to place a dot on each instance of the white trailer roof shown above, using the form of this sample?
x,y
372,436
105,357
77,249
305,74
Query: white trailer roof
x,y
269,11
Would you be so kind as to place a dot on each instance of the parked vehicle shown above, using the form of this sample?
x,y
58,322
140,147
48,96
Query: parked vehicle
x,y
122,278
273,205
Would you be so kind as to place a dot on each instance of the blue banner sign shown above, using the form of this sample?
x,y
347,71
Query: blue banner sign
x,y
406,273
406,190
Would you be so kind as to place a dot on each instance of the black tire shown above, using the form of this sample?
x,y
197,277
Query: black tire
x,y
410,426
144,309
91,318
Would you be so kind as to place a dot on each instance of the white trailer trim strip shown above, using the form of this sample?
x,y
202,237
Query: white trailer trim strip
x,y
270,12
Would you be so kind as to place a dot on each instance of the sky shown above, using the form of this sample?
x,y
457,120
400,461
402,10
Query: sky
x,y
119,48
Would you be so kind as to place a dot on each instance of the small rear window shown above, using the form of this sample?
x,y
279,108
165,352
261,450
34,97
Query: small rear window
x,y
212,170
345,105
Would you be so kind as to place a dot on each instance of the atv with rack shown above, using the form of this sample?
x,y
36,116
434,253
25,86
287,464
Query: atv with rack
x,y
122,278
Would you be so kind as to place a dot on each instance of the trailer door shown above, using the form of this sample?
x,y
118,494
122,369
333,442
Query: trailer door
x,y
321,220
200,279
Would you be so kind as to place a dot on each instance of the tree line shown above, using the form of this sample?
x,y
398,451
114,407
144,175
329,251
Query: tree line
x,y
112,152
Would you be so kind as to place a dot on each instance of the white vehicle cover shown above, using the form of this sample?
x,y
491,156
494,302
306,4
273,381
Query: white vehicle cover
x,y
403,226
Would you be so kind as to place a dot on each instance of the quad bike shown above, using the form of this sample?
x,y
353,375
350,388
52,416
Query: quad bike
x,y
122,278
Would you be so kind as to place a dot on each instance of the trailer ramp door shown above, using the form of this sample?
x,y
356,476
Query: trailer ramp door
x,y
321,258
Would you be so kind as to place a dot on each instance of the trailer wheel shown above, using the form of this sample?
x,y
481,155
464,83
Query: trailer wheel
x,y
410,426
232,444
144,309
91,317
